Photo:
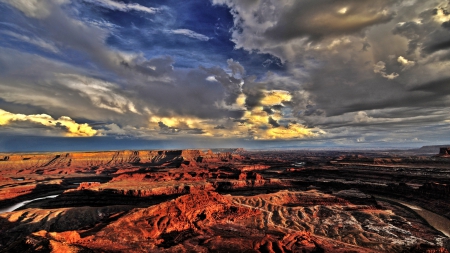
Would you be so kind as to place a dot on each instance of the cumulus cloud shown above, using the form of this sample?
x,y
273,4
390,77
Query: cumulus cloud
x,y
267,25
73,129
276,97
341,72
236,67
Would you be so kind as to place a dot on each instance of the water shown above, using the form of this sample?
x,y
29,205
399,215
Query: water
x,y
18,205
437,221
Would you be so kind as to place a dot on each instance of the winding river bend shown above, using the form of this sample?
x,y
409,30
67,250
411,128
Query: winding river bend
x,y
20,204
437,221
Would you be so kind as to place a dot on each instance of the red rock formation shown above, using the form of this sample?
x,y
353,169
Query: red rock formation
x,y
254,167
46,163
250,176
87,185
5,179
14,192
444,152
201,201
204,222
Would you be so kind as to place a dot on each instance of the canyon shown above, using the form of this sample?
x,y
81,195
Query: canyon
x,y
226,200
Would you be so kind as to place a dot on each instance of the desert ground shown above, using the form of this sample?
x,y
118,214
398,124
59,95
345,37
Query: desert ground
x,y
226,200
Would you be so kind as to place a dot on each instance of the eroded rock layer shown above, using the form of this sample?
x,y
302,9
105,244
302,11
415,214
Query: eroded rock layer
x,y
236,201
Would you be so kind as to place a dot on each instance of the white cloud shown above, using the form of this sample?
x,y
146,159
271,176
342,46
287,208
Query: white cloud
x,y
405,62
33,8
380,68
102,94
362,117
190,34
35,41
120,6
211,79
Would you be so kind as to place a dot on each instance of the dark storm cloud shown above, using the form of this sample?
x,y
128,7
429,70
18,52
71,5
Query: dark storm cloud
x,y
374,93
268,110
437,47
357,69
440,87
186,94
318,18
409,30
370,63
254,92
155,67
268,24
426,33
231,84
165,129
446,24
163,126
273,122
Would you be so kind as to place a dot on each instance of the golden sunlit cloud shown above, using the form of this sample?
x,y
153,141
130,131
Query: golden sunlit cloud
x,y
291,132
240,101
343,10
73,129
441,16
176,122
256,123
405,62
256,116
275,97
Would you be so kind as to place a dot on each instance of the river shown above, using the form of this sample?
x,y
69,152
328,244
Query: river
x,y
18,205
437,221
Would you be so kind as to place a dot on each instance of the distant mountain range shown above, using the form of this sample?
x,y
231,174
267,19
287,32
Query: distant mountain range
x,y
432,149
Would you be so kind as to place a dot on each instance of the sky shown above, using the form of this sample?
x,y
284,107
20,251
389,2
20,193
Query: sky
x,y
109,74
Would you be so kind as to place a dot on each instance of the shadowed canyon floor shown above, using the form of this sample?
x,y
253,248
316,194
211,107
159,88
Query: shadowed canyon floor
x,y
225,201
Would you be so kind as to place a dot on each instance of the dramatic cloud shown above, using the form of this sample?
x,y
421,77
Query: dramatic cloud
x,y
73,129
271,26
380,68
101,94
369,56
350,72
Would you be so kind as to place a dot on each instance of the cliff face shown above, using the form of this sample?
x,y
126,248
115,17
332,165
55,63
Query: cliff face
x,y
110,158
444,151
